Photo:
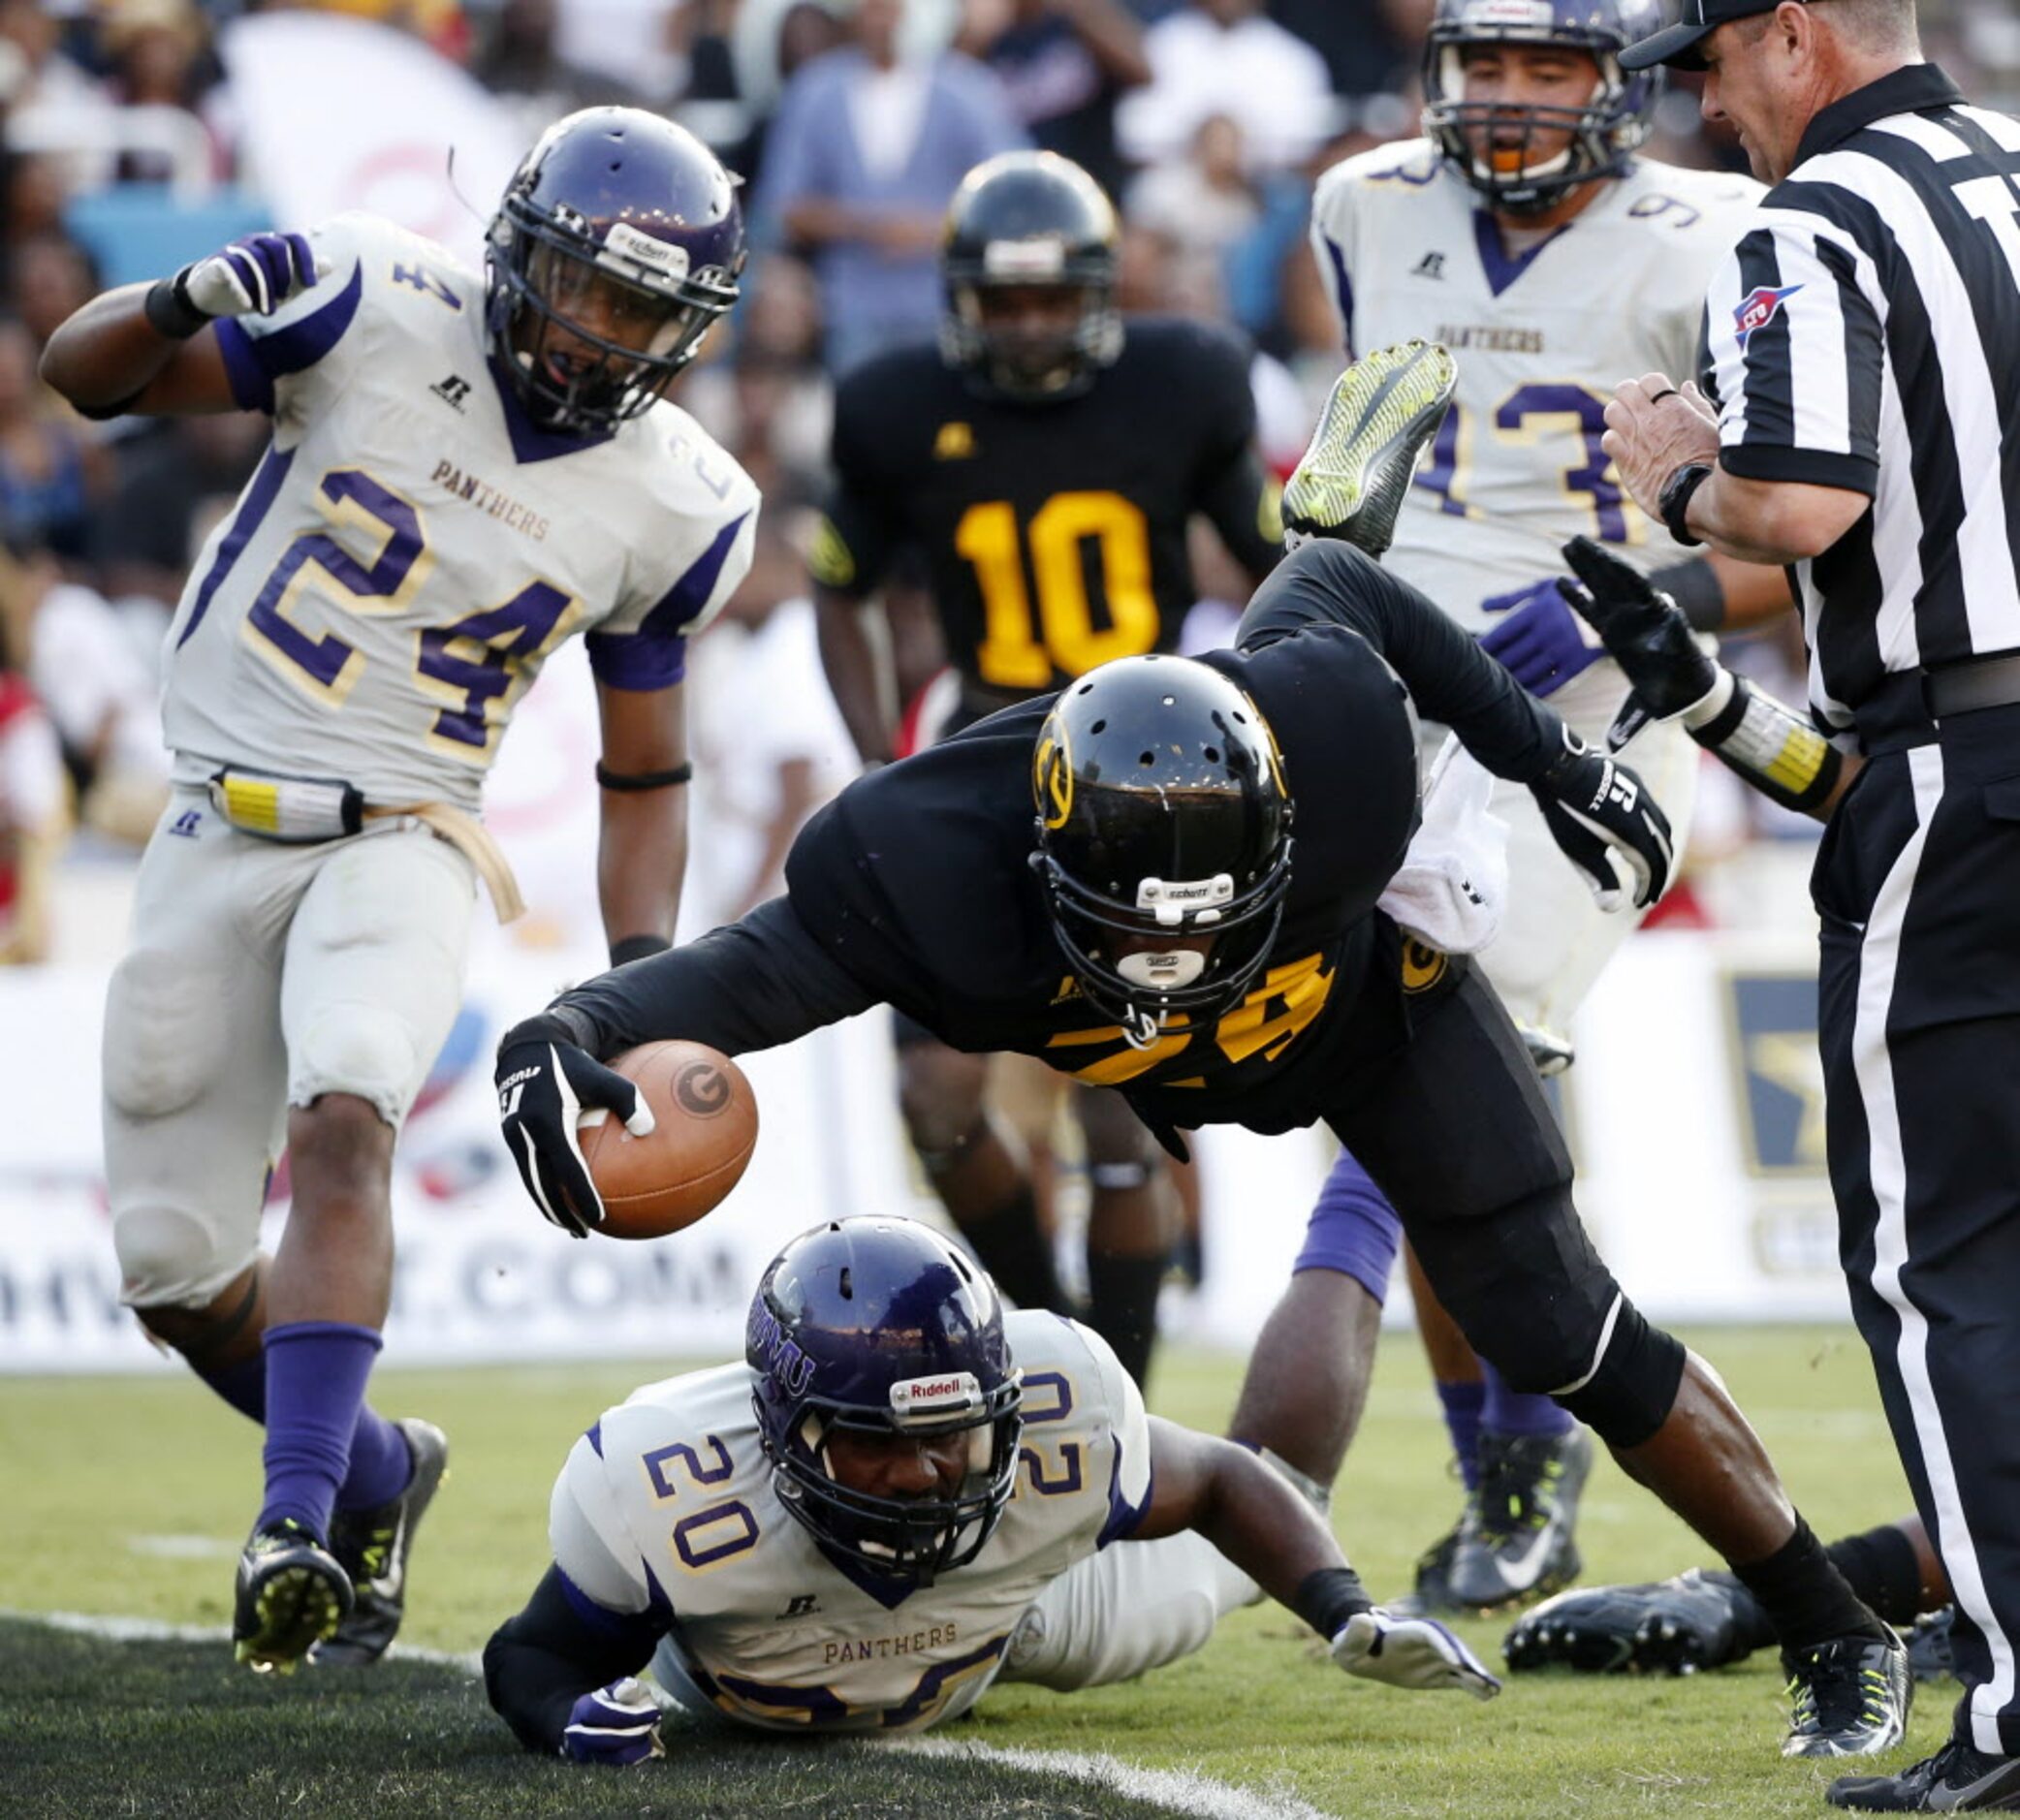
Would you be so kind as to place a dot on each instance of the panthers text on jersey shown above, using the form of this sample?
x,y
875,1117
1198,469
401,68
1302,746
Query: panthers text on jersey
x,y
1541,338
412,546
667,1507
1054,531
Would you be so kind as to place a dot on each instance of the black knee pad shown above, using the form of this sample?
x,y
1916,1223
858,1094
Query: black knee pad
x,y
1628,1391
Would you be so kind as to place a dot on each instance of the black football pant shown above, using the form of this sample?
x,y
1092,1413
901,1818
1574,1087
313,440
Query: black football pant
x,y
1917,886
1457,1133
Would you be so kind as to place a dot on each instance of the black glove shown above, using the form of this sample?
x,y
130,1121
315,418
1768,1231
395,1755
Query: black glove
x,y
1644,631
546,1084
1596,809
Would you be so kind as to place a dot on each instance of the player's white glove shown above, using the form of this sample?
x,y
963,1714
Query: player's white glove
x,y
1604,819
617,1725
1415,1652
251,277
545,1086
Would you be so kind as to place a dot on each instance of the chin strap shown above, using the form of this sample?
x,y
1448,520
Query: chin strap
x,y
1140,1028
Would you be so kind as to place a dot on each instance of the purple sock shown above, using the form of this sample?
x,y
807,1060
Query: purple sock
x,y
1519,1412
380,1463
1463,1404
1352,1230
316,1373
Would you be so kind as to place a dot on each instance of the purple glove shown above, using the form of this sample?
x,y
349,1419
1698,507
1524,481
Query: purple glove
x,y
251,277
1541,640
617,1725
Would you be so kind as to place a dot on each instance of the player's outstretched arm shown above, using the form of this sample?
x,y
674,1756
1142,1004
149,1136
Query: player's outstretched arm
x,y
1255,1518
150,349
564,1685
642,842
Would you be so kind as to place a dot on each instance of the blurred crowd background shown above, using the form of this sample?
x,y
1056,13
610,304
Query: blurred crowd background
x,y
141,133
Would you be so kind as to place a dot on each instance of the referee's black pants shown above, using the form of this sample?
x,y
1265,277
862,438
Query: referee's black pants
x,y
1917,885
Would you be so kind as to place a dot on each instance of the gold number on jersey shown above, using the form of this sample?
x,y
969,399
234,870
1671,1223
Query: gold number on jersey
x,y
1527,416
1021,651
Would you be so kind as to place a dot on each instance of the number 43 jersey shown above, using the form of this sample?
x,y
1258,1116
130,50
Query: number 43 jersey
x,y
1541,338
412,546
665,1506
1054,531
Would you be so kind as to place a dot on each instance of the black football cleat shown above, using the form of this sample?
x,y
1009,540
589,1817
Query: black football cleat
x,y
1957,1780
1929,1654
1356,473
1521,1546
372,1548
1669,1627
291,1593
1850,1697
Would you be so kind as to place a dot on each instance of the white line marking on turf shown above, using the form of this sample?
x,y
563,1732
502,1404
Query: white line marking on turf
x,y
152,1630
185,1547
1181,1790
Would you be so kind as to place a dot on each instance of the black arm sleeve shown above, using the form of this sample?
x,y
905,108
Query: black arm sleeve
x,y
1237,497
538,1664
1452,680
750,985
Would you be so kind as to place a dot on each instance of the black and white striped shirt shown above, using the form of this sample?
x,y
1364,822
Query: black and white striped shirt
x,y
1865,333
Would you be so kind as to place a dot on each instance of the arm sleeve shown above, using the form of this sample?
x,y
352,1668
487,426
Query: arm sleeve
x,y
1797,353
752,985
1129,1476
1450,678
541,1661
644,645
307,345
853,542
1241,501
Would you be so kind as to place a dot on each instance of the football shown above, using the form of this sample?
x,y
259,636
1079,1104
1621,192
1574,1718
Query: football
x,y
693,1156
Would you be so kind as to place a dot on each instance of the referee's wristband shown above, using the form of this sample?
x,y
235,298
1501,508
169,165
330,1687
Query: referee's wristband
x,y
1694,586
1758,739
1328,1596
1675,503
169,311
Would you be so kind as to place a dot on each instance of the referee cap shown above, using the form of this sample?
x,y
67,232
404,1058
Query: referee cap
x,y
1677,44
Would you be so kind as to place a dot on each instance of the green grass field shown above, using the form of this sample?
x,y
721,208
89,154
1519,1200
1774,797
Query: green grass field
x,y
130,1499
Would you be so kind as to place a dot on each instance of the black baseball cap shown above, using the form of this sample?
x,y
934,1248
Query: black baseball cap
x,y
1676,45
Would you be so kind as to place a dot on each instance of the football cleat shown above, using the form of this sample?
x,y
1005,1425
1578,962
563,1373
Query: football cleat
x,y
1670,1627
291,1593
1850,1697
372,1545
1929,1654
1354,476
1957,1780
1520,1545
1430,1593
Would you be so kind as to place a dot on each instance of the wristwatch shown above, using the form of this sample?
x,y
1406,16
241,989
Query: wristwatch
x,y
1674,505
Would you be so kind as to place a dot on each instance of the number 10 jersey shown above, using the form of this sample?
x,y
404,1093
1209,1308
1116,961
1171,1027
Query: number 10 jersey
x,y
412,546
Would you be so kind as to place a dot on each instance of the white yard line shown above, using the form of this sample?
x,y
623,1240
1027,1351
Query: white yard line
x,y
152,1630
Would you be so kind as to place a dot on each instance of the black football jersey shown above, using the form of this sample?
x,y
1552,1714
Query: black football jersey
x,y
1054,533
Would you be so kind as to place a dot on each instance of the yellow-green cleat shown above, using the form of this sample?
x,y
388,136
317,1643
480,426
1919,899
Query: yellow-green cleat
x,y
291,1594
1354,476
372,1546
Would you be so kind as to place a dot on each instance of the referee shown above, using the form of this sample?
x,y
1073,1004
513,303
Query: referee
x,y
1862,423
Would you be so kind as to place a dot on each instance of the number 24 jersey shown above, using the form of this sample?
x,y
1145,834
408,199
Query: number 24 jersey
x,y
412,547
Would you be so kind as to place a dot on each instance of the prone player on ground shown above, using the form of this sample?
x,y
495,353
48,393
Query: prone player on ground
x,y
465,470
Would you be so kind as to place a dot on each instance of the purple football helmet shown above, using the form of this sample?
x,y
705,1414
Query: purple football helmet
x,y
882,1327
615,249
1604,132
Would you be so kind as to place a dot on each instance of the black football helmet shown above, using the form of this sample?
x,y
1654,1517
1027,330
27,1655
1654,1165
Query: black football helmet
x,y
1162,811
882,1327
627,207
1030,220
1604,132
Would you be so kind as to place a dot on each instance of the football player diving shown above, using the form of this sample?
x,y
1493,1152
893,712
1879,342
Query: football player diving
x,y
1046,463
1166,876
902,1496
1498,233
465,470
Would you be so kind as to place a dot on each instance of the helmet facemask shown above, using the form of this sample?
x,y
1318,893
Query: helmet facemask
x,y
1023,364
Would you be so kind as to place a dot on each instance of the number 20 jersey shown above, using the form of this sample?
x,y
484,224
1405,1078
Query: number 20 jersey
x,y
666,1506
412,547
1541,339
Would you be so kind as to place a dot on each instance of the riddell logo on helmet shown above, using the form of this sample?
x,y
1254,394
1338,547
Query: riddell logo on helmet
x,y
919,1396
646,249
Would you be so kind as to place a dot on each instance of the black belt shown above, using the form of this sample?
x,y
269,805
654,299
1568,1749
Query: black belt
x,y
1906,709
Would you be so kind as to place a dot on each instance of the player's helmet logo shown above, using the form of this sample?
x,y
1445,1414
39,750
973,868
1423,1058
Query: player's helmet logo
x,y
1173,822
615,249
1030,226
1052,776
881,1327
1494,145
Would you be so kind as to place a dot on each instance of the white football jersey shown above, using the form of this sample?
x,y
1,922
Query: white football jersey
x,y
666,1506
412,546
1408,250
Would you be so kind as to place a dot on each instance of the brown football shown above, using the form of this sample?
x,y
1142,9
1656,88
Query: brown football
x,y
693,1156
